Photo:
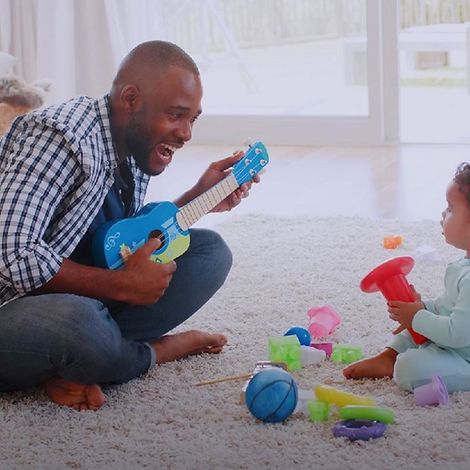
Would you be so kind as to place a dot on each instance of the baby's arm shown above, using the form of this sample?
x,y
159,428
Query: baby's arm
x,y
451,327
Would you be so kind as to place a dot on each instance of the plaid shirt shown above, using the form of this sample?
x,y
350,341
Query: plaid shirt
x,y
56,167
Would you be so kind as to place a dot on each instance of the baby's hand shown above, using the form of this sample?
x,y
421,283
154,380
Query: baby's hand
x,y
398,330
404,312
416,295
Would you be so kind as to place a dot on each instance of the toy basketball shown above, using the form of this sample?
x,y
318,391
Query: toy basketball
x,y
271,395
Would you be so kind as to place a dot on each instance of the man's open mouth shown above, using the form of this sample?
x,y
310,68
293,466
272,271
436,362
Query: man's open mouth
x,y
166,151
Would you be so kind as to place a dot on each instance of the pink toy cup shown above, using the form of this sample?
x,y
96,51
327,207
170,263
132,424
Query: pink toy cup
x,y
433,393
322,321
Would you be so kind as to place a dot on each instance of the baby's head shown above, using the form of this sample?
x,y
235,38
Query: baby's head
x,y
456,217
462,178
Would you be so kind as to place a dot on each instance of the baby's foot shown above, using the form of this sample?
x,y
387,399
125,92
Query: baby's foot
x,y
375,367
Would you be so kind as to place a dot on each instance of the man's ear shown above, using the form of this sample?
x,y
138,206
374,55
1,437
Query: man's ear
x,y
130,99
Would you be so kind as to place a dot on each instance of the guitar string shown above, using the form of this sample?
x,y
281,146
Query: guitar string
x,y
161,237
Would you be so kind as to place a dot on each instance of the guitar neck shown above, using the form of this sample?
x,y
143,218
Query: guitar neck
x,y
190,213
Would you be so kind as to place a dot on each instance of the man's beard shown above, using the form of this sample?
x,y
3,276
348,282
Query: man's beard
x,y
138,144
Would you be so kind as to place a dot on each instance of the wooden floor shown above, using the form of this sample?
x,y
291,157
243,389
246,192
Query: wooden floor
x,y
400,182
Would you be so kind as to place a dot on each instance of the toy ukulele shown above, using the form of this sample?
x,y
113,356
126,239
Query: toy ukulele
x,y
168,222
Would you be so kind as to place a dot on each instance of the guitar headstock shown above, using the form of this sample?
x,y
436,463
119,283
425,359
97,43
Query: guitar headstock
x,y
255,159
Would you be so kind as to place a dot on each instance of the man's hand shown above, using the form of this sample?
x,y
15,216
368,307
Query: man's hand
x,y
145,281
404,312
216,172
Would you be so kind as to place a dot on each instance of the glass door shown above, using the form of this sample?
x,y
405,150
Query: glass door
x,y
434,41
285,71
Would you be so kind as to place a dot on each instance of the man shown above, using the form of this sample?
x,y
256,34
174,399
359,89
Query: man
x,y
65,170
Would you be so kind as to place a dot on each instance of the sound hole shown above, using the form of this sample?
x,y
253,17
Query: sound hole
x,y
157,234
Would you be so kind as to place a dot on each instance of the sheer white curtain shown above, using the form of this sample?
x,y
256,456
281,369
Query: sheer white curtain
x,y
77,44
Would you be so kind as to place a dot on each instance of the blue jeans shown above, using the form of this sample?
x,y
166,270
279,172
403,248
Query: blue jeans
x,y
88,341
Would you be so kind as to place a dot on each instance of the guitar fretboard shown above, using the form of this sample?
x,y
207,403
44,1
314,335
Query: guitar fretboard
x,y
200,206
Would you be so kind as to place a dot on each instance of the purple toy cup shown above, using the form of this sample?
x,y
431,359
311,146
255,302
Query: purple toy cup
x,y
327,347
433,393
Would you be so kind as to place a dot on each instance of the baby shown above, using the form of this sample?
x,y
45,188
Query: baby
x,y
445,321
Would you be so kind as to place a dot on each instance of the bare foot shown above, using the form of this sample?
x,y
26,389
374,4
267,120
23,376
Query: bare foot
x,y
375,367
78,396
173,347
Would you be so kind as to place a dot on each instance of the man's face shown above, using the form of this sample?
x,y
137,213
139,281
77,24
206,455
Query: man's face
x,y
165,119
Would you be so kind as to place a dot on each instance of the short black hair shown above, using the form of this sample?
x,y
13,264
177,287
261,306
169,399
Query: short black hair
x,y
161,54
462,178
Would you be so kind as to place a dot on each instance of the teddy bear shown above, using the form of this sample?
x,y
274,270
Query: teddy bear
x,y
18,97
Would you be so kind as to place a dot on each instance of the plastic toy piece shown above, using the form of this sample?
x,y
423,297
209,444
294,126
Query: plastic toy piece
x,y
301,333
327,347
389,278
259,366
318,410
433,393
310,355
372,413
285,349
303,397
322,321
359,429
271,395
346,353
340,398
392,242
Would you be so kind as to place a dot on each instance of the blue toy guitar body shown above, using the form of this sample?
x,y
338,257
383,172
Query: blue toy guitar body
x,y
166,221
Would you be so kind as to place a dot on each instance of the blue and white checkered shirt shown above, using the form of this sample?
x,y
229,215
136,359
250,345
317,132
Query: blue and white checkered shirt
x,y
56,167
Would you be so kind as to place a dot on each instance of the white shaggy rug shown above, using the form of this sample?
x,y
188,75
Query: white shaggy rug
x,y
282,267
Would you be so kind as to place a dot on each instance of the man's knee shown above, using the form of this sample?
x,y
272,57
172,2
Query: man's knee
x,y
223,256
215,251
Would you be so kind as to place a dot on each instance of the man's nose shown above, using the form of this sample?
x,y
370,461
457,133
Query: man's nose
x,y
185,131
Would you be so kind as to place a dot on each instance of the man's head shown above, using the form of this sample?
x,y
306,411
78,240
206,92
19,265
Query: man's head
x,y
155,99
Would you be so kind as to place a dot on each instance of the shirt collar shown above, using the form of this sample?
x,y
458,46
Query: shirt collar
x,y
103,109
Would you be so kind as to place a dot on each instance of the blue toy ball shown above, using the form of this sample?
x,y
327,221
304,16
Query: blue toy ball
x,y
271,395
304,336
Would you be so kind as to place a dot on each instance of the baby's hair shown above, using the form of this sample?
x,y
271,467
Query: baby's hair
x,y
462,178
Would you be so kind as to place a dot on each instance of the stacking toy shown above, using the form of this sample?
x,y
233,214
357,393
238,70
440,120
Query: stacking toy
x,y
359,429
433,393
318,410
322,321
340,398
327,347
389,278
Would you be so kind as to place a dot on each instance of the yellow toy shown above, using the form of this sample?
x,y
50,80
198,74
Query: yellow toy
x,y
340,398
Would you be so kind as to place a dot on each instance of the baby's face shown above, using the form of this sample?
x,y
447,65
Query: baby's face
x,y
456,218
